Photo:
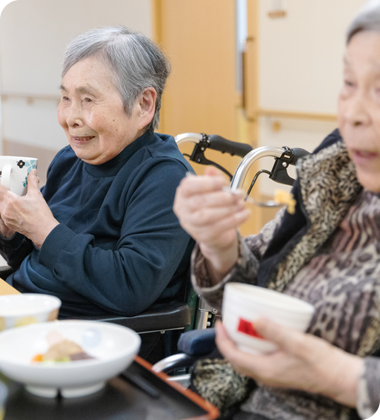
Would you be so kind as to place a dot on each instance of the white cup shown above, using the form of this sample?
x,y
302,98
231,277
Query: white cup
x,y
244,303
14,172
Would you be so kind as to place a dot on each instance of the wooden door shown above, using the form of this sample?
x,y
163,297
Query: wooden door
x,y
199,38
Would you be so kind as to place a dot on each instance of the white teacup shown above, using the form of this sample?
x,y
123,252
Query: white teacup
x,y
27,308
14,172
245,303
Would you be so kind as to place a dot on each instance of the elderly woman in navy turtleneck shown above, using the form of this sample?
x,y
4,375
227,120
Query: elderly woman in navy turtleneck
x,y
101,234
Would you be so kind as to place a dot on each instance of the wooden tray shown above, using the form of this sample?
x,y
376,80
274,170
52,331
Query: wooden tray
x,y
119,400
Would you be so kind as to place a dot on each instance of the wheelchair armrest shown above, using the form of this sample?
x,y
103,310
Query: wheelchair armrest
x,y
176,361
168,316
197,342
192,345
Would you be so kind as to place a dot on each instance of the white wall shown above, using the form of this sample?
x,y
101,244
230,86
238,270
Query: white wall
x,y
300,60
300,69
33,36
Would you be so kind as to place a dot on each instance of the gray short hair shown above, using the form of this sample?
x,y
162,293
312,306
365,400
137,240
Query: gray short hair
x,y
368,19
135,61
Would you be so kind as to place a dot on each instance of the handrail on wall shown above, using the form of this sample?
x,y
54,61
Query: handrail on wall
x,y
30,97
296,115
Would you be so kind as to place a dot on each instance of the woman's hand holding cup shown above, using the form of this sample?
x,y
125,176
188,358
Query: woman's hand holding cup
x,y
211,216
28,215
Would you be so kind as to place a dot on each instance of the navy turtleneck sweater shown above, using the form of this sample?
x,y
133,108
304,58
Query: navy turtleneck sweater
x,y
119,247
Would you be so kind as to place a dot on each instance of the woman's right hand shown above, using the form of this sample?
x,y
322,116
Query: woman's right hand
x,y
5,231
211,216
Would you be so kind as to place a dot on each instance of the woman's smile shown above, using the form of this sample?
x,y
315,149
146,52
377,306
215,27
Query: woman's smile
x,y
79,139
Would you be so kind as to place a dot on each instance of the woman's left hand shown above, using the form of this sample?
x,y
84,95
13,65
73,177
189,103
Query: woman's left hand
x,y
302,362
29,215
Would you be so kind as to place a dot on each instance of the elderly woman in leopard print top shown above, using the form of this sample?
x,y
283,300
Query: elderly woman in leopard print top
x,y
327,253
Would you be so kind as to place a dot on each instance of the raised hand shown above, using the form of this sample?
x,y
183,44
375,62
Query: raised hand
x,y
211,216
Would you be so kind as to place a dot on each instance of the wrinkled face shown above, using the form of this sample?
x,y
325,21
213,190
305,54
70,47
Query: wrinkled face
x,y
359,107
91,113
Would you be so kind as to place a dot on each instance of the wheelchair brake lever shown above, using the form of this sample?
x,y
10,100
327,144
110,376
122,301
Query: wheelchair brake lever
x,y
279,171
198,155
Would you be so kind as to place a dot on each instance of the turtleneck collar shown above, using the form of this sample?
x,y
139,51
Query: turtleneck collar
x,y
112,167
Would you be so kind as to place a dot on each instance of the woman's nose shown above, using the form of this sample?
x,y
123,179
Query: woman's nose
x,y
74,116
356,110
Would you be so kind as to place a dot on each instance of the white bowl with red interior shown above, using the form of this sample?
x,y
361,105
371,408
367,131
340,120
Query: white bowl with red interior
x,y
245,303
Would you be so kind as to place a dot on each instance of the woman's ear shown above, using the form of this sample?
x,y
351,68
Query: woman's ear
x,y
147,104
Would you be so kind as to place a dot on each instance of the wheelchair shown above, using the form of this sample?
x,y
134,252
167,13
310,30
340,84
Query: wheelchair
x,y
194,344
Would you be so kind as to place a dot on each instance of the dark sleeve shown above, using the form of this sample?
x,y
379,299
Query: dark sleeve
x,y
130,278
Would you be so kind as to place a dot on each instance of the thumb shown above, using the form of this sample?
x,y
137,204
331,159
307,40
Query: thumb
x,y
33,181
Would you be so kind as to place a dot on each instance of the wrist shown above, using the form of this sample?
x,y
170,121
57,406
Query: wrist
x,y
220,261
344,378
38,238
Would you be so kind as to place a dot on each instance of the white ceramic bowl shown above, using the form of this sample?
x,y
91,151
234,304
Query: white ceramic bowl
x,y
29,308
112,346
244,303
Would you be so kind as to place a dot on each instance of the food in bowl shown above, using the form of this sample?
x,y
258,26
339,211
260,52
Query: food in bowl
x,y
63,351
113,348
28,308
243,304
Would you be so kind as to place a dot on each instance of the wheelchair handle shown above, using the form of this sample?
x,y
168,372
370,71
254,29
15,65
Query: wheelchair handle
x,y
297,154
215,142
256,154
227,146
188,137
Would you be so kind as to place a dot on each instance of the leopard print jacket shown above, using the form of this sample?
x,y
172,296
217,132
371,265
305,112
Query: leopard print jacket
x,y
335,266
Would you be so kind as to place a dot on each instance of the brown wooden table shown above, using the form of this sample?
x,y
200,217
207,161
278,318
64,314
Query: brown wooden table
x,y
6,289
119,400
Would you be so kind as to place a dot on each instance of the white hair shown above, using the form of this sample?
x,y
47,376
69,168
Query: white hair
x,y
367,19
135,61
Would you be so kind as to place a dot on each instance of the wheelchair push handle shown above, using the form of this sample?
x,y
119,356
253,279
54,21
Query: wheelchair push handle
x,y
284,156
204,141
214,142
223,145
